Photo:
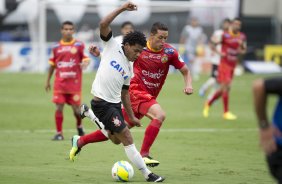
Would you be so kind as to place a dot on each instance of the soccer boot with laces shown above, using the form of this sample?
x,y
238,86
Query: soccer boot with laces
x,y
83,109
206,110
155,178
75,149
149,161
58,137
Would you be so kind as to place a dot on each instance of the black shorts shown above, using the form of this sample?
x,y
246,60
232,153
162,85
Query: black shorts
x,y
109,114
275,164
214,72
273,85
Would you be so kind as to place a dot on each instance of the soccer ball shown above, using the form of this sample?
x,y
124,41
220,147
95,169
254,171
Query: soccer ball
x,y
122,171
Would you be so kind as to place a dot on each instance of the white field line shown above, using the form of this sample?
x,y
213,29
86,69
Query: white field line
x,y
164,130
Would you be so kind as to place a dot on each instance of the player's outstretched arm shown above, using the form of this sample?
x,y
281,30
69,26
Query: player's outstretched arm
x,y
127,106
267,142
106,21
188,89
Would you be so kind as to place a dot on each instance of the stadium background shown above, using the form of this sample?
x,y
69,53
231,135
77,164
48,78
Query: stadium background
x,y
202,150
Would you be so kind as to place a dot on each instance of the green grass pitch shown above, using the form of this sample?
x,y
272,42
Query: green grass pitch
x,y
191,149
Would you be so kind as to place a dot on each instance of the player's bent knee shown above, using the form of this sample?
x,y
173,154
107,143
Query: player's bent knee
x,y
161,116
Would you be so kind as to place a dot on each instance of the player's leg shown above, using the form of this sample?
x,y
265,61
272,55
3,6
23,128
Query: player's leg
x,y
153,111
76,112
74,100
210,82
226,84
59,122
135,157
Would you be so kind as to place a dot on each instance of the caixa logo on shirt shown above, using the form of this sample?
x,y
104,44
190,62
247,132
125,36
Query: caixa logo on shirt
x,y
118,68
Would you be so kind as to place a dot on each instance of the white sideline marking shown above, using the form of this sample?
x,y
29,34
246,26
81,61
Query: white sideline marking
x,y
165,130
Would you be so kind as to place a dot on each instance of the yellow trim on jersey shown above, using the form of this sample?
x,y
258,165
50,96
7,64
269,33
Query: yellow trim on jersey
x,y
51,63
151,49
234,34
62,42
86,59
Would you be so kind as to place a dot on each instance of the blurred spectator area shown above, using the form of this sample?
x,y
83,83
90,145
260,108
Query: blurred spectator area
x,y
260,31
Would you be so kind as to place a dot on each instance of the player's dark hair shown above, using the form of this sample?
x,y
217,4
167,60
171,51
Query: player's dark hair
x,y
67,23
135,37
226,20
126,23
237,19
158,26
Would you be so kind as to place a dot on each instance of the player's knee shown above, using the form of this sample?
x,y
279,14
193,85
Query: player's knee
x,y
161,116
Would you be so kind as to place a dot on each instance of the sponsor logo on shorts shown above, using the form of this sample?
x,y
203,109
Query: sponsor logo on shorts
x,y
116,121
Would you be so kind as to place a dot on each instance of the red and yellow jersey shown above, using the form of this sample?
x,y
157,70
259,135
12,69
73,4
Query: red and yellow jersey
x,y
231,44
151,68
67,58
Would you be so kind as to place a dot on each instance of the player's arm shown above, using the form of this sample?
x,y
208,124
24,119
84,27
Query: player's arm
x,y
127,106
105,29
49,76
188,89
261,89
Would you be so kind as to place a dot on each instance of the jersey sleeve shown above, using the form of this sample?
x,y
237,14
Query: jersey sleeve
x,y
85,57
177,61
52,58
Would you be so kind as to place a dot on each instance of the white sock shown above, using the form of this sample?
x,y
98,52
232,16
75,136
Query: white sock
x,y
135,157
211,81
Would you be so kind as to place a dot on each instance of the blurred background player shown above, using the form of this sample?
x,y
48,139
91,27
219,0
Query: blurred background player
x,y
192,39
215,57
126,28
110,88
270,135
68,59
233,43
149,76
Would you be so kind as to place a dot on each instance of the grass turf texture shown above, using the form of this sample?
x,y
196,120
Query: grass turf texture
x,y
191,149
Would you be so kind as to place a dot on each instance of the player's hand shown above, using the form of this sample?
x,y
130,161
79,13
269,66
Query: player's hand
x,y
135,121
47,87
129,6
267,141
84,65
188,90
94,50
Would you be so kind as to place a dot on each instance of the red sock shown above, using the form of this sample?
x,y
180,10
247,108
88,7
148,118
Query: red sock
x,y
225,98
59,121
216,95
78,120
150,135
96,136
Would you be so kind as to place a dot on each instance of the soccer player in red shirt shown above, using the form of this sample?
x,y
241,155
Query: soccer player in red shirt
x,y
233,44
68,59
150,71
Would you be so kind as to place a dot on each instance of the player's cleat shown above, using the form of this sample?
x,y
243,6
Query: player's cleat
x,y
75,149
155,178
229,116
83,108
149,161
58,137
206,110
80,131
